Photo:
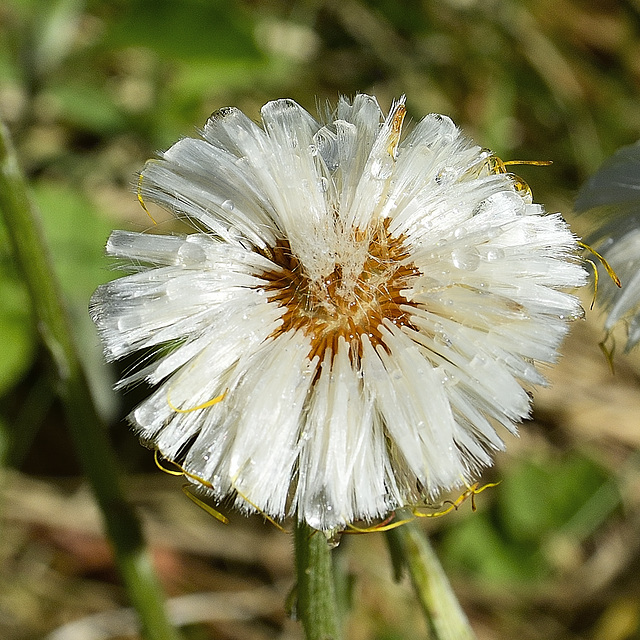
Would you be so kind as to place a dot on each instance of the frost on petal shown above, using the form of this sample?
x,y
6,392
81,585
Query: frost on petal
x,y
358,320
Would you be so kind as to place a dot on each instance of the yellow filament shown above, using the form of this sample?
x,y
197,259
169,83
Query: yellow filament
x,y
535,163
209,403
608,352
181,470
262,513
186,489
141,199
595,282
605,264
497,165
382,526
471,492
171,472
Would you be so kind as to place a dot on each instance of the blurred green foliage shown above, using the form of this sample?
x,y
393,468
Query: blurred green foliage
x,y
541,502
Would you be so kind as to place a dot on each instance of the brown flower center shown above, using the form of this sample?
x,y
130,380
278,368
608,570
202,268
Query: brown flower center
x,y
329,310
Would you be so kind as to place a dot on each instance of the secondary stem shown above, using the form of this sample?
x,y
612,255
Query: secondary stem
x,y
89,435
410,548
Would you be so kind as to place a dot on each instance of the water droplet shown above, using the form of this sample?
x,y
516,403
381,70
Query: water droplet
x,y
577,315
481,207
494,254
441,337
333,537
466,259
228,205
446,176
318,512
313,150
190,253
323,184
380,170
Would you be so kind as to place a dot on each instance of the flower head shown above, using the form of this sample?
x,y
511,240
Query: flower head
x,y
610,198
355,321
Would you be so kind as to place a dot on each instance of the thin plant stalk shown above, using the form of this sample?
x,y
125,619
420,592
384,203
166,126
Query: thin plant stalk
x,y
317,606
87,430
411,550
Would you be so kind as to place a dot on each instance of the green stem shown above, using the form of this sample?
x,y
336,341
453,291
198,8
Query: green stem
x,y
89,435
316,607
410,548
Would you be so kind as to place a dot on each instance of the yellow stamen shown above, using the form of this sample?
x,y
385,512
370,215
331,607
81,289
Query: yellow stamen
x,y
497,165
185,488
595,282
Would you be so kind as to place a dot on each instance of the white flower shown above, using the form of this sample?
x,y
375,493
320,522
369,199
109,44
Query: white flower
x,y
611,198
355,320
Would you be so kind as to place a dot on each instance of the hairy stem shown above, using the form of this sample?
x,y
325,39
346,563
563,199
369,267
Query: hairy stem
x,y
316,607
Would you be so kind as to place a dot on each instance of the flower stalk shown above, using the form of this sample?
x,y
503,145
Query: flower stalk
x,y
317,607
410,549
87,431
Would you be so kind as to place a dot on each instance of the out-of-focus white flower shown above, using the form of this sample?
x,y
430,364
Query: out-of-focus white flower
x,y
354,322
611,198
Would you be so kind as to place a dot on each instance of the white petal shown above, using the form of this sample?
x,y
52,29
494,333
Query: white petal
x,y
265,419
411,397
344,468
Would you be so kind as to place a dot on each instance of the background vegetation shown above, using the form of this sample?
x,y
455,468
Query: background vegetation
x,y
91,89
